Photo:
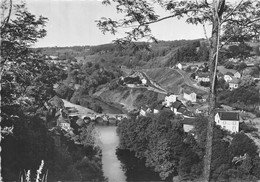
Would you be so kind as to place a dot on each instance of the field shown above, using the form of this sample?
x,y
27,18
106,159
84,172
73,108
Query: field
x,y
169,79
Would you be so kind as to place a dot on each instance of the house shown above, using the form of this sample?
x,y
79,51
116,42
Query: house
x,y
188,127
65,125
144,81
233,84
189,95
176,105
204,77
179,66
228,76
169,99
188,124
157,109
144,110
228,120
237,75
185,112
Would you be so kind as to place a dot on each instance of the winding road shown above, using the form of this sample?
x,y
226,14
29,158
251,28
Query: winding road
x,y
188,81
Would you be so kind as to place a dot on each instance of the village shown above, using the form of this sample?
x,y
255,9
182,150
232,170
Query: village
x,y
188,104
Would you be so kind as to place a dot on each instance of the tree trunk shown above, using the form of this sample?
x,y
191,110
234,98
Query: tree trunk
x,y
213,59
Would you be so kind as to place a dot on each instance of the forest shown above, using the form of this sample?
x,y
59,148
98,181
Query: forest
x,y
161,141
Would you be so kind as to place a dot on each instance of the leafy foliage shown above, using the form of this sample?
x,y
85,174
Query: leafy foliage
x,y
159,141
28,104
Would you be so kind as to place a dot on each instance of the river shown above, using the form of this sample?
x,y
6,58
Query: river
x,y
121,165
112,167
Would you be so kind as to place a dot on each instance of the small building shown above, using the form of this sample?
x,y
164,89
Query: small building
x,y
228,120
237,75
179,66
169,100
204,77
233,84
157,109
228,76
176,105
65,125
189,95
144,110
185,112
144,81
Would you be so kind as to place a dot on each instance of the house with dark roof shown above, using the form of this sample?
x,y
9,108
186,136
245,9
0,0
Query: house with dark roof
x,y
228,120
201,76
157,108
233,84
144,110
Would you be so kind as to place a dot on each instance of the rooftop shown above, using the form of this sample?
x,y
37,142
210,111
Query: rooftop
x,y
202,74
232,116
176,104
229,73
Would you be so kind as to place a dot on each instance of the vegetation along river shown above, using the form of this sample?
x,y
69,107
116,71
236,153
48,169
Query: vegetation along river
x,y
121,165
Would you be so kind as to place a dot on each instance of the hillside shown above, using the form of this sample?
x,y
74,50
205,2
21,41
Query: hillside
x,y
129,98
173,80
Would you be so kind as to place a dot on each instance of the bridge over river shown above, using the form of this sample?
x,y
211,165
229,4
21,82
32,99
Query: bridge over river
x,y
114,169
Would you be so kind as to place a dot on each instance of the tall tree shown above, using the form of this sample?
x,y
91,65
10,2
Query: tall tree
x,y
140,14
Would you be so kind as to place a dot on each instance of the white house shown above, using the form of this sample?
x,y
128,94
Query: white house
x,y
233,84
157,109
237,75
228,120
189,95
204,77
228,76
169,99
144,110
144,81
179,66
65,126
188,127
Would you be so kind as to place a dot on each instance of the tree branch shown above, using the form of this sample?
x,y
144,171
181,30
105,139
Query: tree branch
x,y
231,13
9,14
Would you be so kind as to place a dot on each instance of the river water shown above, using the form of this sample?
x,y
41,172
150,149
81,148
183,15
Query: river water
x,y
121,165
112,167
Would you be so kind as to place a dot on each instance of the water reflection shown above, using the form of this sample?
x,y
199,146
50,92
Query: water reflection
x,y
121,165
111,165
135,169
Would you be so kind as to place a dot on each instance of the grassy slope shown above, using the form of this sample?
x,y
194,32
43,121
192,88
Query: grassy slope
x,y
80,110
121,95
169,79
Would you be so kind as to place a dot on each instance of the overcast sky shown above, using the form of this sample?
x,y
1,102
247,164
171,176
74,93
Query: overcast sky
x,y
72,22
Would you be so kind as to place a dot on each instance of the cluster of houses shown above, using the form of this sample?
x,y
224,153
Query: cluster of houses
x,y
228,120
170,103
61,64
232,79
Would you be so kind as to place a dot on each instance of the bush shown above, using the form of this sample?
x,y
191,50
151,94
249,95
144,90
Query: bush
x,y
247,128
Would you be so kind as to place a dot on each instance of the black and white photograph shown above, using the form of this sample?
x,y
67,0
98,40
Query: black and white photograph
x,y
130,91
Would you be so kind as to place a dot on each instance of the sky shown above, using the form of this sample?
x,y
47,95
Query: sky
x,y
72,22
